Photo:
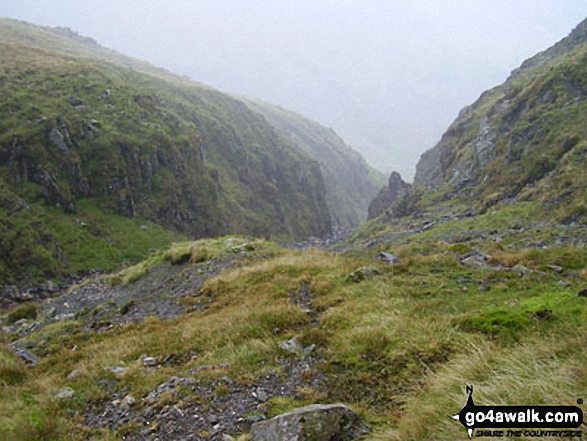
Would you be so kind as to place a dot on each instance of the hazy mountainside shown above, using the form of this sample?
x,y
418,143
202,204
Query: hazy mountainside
x,y
66,41
524,140
78,134
214,338
350,182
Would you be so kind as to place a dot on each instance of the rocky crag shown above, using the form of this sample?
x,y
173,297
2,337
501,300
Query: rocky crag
x,y
521,141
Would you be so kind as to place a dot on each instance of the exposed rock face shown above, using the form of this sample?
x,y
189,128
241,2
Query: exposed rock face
x,y
516,135
391,198
181,155
350,183
312,423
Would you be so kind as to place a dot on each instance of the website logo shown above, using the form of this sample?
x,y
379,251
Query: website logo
x,y
519,417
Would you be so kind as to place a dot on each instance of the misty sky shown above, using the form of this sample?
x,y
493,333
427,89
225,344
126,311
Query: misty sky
x,y
388,75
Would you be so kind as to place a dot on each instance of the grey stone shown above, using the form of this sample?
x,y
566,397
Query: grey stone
x,y
293,346
521,270
261,394
150,361
11,292
363,273
476,259
118,371
309,349
24,344
56,138
66,392
48,286
389,258
127,402
74,374
27,356
315,422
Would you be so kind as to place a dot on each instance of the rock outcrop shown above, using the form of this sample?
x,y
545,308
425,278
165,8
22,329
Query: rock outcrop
x,y
518,141
350,183
312,423
393,199
138,143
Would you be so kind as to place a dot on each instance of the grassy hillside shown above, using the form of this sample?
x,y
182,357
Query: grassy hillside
x,y
198,162
350,182
398,346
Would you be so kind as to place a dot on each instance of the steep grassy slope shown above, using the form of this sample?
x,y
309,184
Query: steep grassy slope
x,y
350,183
68,42
74,129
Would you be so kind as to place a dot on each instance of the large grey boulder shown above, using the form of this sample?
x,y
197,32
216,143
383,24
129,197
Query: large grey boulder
x,y
312,423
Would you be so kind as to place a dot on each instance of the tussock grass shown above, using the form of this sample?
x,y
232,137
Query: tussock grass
x,y
395,345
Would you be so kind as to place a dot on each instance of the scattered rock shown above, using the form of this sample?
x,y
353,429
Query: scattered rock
x,y
389,258
476,259
309,349
27,356
150,361
521,270
261,395
144,227
106,94
94,123
315,422
226,437
74,374
363,273
66,392
127,402
119,371
582,293
24,344
556,268
48,286
292,346
75,101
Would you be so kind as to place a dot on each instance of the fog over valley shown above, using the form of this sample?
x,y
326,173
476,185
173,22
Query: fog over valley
x,y
388,76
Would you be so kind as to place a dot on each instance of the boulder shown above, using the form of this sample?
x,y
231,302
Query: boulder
x,y
293,346
365,272
315,422
150,361
476,259
27,356
521,270
389,258
66,392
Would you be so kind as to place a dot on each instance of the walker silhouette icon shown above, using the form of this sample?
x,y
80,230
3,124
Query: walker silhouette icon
x,y
469,407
